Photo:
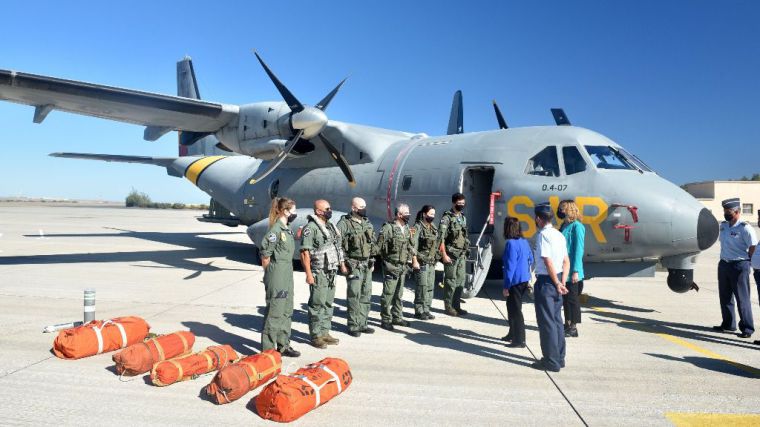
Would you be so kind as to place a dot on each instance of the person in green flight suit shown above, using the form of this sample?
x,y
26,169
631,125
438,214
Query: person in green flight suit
x,y
453,245
396,251
321,257
358,237
425,243
276,253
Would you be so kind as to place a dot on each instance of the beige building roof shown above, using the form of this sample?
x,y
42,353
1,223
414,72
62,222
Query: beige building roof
x,y
711,193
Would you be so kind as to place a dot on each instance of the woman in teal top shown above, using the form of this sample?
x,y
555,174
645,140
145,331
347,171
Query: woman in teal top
x,y
575,232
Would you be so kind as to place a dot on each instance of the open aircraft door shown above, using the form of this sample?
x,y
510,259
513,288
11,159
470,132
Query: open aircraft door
x,y
477,182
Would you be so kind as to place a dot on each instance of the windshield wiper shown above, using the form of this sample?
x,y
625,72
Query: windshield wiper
x,y
621,155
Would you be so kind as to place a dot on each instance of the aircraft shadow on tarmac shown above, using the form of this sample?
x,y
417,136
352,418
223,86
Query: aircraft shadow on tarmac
x,y
716,365
652,326
199,245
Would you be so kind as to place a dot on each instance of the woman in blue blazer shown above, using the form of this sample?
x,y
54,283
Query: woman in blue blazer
x,y
517,260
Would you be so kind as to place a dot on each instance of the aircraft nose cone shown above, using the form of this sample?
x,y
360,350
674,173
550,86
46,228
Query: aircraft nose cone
x,y
707,229
311,120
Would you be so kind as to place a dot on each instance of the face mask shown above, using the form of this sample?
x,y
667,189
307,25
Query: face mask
x,y
292,217
728,216
327,214
405,218
560,215
459,208
429,218
362,212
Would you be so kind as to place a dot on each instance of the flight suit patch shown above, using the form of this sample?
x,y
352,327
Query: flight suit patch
x,y
271,238
306,232
281,295
283,236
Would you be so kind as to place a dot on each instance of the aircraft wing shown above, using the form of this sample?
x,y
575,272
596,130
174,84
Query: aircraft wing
x,y
160,113
158,161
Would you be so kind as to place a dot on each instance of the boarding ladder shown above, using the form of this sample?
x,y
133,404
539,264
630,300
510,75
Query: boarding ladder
x,y
479,257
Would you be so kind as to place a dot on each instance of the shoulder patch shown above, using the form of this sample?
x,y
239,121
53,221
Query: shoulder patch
x,y
306,232
271,238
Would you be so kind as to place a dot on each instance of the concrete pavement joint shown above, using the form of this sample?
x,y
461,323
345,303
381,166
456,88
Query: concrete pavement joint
x,y
580,417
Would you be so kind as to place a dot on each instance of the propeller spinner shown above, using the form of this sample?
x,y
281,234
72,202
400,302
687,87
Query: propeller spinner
x,y
307,123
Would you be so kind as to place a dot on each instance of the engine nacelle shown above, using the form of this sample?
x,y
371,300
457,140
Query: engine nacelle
x,y
263,149
262,130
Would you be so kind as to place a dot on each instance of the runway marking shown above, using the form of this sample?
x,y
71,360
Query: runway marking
x,y
683,343
686,419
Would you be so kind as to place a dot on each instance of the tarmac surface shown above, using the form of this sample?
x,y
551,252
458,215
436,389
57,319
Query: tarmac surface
x,y
645,355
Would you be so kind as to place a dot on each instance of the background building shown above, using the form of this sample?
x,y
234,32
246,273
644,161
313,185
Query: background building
x,y
711,193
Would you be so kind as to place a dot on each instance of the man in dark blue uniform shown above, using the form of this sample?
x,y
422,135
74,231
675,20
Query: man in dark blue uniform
x,y
737,245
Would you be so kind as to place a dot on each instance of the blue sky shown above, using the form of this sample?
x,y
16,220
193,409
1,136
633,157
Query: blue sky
x,y
676,82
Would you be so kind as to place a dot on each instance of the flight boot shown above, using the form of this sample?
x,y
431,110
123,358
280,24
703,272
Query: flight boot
x,y
319,342
330,340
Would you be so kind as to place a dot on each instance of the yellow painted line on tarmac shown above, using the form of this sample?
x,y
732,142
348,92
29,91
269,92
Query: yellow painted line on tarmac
x,y
683,343
686,419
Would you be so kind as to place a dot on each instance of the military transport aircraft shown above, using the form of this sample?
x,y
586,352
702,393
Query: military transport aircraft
x,y
635,218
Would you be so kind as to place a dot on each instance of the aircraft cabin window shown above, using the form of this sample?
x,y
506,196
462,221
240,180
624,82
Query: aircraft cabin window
x,y
406,183
574,162
606,157
545,163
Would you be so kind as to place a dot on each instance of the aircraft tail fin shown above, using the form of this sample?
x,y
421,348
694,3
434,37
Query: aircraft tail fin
x,y
456,118
193,143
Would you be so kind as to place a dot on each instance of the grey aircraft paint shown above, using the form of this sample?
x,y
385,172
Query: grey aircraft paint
x,y
634,217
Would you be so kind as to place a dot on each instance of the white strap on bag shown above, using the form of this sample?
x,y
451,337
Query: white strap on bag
x,y
99,334
317,390
311,384
335,376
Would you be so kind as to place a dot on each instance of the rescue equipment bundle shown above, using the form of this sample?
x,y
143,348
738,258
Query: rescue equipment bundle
x,y
233,381
170,371
100,336
140,358
289,397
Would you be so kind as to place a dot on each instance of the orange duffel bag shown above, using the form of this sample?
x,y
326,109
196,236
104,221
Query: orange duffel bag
x,y
139,358
289,397
99,336
233,381
170,371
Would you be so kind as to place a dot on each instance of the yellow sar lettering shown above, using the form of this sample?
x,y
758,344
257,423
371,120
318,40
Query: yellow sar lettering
x,y
591,217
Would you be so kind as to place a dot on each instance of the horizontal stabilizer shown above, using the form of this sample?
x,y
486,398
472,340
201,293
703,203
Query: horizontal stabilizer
x,y
158,161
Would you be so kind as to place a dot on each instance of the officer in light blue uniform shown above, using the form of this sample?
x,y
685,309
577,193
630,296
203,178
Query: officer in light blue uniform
x,y
737,244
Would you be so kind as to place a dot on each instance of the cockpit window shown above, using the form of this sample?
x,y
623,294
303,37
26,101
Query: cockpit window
x,y
606,157
635,160
544,163
574,162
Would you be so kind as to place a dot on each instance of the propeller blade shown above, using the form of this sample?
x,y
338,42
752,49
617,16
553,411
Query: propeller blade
x,y
294,104
499,117
339,159
279,159
322,105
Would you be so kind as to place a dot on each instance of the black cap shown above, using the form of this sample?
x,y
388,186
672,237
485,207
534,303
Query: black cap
x,y
543,208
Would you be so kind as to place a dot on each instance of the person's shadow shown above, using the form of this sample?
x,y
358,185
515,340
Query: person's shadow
x,y
716,365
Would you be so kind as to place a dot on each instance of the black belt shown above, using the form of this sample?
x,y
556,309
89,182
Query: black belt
x,y
734,261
